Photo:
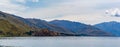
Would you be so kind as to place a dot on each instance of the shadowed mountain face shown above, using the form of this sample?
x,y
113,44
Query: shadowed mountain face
x,y
45,25
11,25
111,27
79,28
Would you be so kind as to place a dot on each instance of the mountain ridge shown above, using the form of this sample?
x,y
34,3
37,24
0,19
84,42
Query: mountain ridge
x,y
38,27
78,28
112,27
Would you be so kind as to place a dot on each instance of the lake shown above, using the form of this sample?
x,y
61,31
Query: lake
x,y
60,42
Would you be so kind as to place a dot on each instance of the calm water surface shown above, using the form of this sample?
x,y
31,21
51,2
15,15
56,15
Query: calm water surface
x,y
60,42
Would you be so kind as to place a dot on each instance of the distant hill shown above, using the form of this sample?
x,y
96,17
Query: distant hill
x,y
79,28
12,25
45,25
111,27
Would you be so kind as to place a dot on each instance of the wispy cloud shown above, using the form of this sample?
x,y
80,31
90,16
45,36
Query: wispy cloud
x,y
86,11
8,6
113,12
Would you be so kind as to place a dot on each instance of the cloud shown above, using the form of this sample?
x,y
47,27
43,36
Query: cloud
x,y
20,1
85,11
63,8
9,7
87,19
25,1
113,12
35,0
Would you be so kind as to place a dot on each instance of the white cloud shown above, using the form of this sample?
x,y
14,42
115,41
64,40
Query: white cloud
x,y
72,7
35,0
113,12
25,1
20,1
85,11
71,10
87,19
9,7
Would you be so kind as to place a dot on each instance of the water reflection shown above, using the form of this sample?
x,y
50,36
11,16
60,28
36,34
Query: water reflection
x,y
7,46
61,41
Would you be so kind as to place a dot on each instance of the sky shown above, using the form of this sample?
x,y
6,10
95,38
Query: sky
x,y
84,11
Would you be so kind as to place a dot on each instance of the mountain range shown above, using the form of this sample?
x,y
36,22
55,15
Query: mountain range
x,y
12,25
79,28
111,27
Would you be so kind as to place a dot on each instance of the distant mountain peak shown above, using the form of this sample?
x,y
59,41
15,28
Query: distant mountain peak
x,y
78,28
111,22
62,20
114,22
111,27
67,21
15,25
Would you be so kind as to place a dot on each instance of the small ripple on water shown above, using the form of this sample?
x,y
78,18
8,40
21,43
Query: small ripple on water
x,y
7,46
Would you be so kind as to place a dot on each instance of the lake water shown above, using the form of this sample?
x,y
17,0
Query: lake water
x,y
60,42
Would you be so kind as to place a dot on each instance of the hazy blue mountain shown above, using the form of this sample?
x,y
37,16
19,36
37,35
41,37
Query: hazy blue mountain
x,y
12,25
38,23
45,25
79,28
111,27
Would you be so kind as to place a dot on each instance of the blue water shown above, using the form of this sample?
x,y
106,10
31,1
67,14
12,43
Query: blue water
x,y
60,42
